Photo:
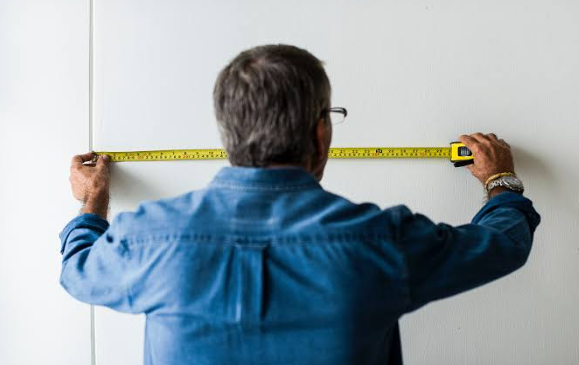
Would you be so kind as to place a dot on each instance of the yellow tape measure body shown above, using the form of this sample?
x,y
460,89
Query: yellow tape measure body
x,y
453,153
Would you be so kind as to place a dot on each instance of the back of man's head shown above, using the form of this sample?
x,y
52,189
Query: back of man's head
x,y
267,102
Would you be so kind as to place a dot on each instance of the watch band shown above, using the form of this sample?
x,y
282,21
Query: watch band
x,y
516,185
496,176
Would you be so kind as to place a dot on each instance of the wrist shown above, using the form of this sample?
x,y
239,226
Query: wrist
x,y
95,196
499,183
497,191
496,176
96,204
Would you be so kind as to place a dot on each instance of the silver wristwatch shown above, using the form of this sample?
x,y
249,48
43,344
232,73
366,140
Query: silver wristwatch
x,y
510,182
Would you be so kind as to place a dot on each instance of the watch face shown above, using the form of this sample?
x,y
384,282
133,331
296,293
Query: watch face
x,y
513,182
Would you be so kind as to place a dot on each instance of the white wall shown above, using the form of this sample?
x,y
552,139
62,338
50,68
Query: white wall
x,y
43,122
410,73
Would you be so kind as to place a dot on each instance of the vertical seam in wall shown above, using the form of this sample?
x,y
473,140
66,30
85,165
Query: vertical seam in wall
x,y
90,74
90,146
92,337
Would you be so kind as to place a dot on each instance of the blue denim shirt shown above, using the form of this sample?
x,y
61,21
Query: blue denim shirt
x,y
266,267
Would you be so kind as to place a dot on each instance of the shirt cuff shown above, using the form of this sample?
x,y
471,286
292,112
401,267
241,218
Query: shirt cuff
x,y
513,200
87,220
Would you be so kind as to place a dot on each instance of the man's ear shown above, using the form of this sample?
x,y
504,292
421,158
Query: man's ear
x,y
321,138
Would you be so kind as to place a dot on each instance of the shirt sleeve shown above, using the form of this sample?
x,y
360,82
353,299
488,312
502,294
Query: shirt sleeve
x,y
95,263
443,260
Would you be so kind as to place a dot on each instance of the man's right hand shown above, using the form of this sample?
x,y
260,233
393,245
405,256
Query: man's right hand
x,y
491,155
90,183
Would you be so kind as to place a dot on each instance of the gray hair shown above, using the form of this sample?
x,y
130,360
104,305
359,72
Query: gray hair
x,y
267,103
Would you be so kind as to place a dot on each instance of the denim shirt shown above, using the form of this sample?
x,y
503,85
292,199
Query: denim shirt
x,y
265,267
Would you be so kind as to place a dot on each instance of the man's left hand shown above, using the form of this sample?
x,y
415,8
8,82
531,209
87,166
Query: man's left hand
x,y
90,183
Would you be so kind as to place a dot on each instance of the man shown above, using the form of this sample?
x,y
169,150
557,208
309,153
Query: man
x,y
264,266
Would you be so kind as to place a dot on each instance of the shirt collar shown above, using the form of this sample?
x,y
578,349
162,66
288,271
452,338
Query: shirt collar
x,y
292,177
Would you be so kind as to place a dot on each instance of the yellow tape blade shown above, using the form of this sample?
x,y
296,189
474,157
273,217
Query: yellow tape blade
x,y
338,153
166,155
390,152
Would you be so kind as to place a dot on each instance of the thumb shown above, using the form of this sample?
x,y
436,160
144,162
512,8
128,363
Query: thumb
x,y
103,161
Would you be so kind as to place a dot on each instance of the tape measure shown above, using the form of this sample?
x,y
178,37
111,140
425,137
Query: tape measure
x,y
458,154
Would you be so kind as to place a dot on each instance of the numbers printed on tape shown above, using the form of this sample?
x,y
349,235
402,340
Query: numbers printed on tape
x,y
390,152
339,152
166,155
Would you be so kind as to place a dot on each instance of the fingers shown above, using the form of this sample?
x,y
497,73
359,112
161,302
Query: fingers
x,y
100,161
79,160
504,143
467,140
103,161
491,155
479,137
493,137
482,138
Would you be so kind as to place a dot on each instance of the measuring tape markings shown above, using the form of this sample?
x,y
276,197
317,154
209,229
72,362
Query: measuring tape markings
x,y
457,153
341,152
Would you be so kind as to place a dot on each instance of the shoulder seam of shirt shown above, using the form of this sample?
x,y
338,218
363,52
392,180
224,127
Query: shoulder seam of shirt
x,y
209,238
397,242
235,186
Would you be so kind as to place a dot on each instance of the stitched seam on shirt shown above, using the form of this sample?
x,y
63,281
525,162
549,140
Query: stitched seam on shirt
x,y
234,186
86,224
406,275
269,240
128,286
398,242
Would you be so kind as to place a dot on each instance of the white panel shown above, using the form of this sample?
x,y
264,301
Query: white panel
x,y
410,73
43,123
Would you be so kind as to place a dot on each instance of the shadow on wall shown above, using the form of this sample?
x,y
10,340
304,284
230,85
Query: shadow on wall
x,y
547,184
130,185
534,170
